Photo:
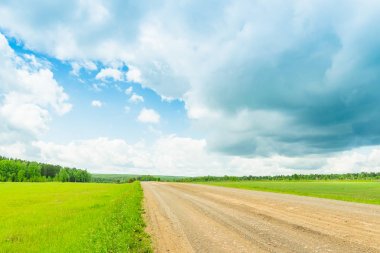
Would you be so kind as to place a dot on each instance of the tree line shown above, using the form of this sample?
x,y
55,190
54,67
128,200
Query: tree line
x,y
120,179
16,170
294,177
144,178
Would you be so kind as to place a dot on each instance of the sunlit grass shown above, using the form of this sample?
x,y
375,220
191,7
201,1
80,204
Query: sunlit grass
x,y
71,217
362,192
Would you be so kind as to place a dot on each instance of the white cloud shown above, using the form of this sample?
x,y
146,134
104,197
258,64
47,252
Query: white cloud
x,y
356,160
186,156
127,109
29,95
76,67
96,103
148,116
136,98
174,155
37,63
25,116
95,12
14,150
133,75
129,90
109,73
98,86
95,154
168,155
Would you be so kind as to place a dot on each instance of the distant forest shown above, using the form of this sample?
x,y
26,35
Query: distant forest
x,y
15,170
294,177
124,178
129,178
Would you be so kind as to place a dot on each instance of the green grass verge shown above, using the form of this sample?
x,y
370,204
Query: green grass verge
x,y
362,192
72,217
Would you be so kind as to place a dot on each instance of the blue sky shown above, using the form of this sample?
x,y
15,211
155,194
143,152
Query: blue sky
x,y
117,115
192,88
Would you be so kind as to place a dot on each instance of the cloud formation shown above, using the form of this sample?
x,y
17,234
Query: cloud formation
x,y
135,99
133,75
169,154
29,96
260,78
148,116
110,74
96,103
176,155
128,91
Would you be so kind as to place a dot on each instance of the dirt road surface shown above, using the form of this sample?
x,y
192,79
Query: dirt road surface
x,y
199,218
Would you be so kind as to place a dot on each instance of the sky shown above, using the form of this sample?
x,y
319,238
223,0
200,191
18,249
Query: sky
x,y
243,87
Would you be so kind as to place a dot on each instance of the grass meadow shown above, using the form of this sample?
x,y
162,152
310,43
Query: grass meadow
x,y
72,217
358,191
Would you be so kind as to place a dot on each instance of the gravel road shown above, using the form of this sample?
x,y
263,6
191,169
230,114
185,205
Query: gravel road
x,y
197,218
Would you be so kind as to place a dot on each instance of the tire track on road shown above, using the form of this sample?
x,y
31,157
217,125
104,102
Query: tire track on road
x,y
198,218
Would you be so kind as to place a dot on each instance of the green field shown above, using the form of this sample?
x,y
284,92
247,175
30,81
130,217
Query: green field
x,y
72,217
362,192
